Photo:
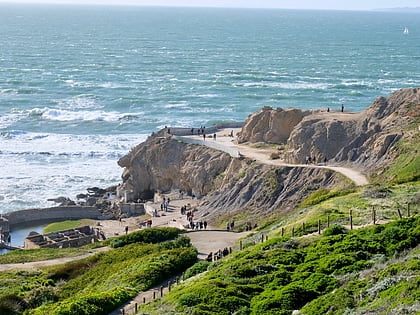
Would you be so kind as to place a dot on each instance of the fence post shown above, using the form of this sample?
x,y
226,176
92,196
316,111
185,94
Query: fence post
x,y
351,219
282,232
408,209
303,228
262,238
169,286
123,311
144,300
161,291
293,232
328,221
240,245
154,295
319,226
373,215
399,213
135,307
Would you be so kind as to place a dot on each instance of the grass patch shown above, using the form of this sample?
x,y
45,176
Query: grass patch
x,y
28,255
66,225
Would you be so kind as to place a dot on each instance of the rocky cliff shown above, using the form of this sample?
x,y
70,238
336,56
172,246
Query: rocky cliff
x,y
164,164
364,139
271,125
230,186
225,185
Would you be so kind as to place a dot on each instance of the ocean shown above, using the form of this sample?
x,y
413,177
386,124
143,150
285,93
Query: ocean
x,y
81,85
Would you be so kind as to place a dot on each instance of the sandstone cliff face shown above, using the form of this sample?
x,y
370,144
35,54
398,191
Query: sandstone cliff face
x,y
226,185
271,125
260,190
164,164
364,138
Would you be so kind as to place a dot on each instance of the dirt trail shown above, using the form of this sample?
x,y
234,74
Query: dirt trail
x,y
263,155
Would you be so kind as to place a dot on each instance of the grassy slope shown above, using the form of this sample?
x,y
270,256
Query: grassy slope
x,y
329,273
98,284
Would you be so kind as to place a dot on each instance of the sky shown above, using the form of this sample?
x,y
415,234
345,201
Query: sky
x,y
285,4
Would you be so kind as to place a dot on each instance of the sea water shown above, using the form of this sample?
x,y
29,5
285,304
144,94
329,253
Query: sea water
x,y
81,85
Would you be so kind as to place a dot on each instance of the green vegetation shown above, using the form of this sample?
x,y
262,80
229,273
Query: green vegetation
x,y
406,167
28,255
66,225
100,283
336,272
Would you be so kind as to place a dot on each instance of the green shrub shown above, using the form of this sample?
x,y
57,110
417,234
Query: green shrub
x,y
189,299
153,235
196,269
335,230
92,304
288,298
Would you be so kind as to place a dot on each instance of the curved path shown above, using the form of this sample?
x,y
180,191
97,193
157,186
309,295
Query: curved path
x,y
225,143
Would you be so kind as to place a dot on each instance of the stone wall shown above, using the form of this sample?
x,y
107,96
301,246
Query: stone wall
x,y
30,216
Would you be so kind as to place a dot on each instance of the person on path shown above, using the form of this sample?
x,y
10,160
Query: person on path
x,y
342,107
214,136
126,229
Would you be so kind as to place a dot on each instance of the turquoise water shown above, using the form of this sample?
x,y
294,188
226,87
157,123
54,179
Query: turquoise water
x,y
81,85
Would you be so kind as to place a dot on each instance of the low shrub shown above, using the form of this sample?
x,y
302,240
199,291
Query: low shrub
x,y
196,269
153,235
335,230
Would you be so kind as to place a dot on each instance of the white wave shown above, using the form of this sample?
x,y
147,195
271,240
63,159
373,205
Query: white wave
x,y
57,114
82,101
287,85
42,166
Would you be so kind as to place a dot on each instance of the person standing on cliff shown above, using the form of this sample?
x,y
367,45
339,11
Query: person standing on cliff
x,y
342,107
214,136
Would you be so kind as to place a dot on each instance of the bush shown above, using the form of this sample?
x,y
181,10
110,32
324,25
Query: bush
x,y
335,230
153,235
288,298
197,268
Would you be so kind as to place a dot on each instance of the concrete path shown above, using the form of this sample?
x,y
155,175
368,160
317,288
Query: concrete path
x,y
227,144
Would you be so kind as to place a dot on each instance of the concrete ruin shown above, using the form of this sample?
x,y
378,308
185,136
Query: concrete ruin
x,y
63,239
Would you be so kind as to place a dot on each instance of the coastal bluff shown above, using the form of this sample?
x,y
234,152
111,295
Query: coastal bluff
x,y
364,139
227,186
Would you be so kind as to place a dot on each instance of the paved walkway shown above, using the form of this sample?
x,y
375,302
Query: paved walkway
x,y
227,144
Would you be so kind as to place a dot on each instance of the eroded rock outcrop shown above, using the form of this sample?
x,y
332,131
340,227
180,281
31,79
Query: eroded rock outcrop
x,y
164,164
365,139
271,125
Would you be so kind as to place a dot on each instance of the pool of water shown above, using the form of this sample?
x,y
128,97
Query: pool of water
x,y
18,235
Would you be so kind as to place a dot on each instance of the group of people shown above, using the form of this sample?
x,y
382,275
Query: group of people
x,y
164,206
312,160
219,254
190,217
230,226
